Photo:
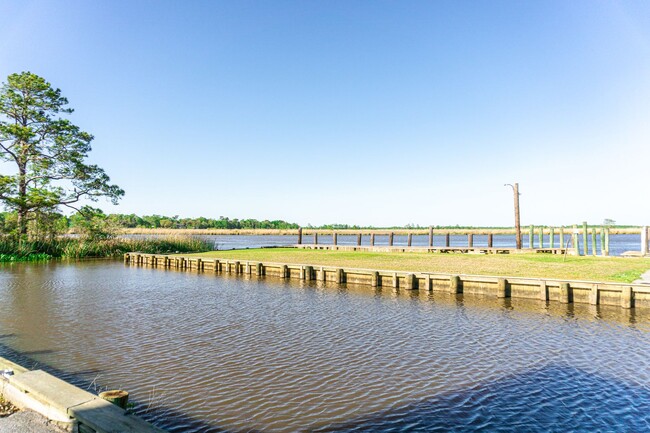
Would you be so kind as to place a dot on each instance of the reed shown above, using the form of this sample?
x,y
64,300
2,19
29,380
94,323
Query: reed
x,y
79,248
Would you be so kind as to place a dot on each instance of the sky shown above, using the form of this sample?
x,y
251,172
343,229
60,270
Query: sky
x,y
358,112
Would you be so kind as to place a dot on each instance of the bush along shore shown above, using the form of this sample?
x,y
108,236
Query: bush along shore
x,y
12,250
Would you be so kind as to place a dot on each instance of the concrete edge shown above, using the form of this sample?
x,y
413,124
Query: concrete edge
x,y
66,405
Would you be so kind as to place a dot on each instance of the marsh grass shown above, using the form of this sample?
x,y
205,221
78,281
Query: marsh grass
x,y
79,248
514,265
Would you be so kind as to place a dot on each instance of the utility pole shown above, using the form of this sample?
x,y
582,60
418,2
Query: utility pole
x,y
515,190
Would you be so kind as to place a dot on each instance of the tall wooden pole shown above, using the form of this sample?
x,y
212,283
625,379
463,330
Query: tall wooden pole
x,y
517,219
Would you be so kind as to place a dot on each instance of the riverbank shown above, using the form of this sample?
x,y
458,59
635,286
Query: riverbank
x,y
79,248
613,269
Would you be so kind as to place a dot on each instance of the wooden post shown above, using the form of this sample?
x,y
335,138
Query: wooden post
x,y
490,240
334,240
309,271
302,272
358,239
470,240
551,237
531,237
198,265
430,236
502,288
236,267
644,241
593,296
259,270
374,279
395,280
594,250
285,271
602,241
410,239
564,293
607,241
585,246
574,239
117,397
543,291
409,282
541,237
427,283
372,239
390,239
626,297
321,274
455,285
299,235
447,240
315,238
339,275
561,237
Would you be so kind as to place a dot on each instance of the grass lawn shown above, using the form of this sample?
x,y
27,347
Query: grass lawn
x,y
514,265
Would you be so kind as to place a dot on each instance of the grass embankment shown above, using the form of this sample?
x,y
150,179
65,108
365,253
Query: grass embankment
x,y
513,265
76,248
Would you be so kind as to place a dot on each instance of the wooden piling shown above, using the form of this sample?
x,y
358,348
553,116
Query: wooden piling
x,y
395,280
551,237
409,239
339,276
315,238
606,241
564,293
237,265
602,241
390,239
455,284
374,279
259,271
334,240
426,285
447,240
543,291
541,237
593,296
372,239
430,236
284,271
502,288
561,237
299,235
309,272
585,246
644,241
358,239
409,282
321,274
531,237
594,250
490,240
470,240
626,297
302,273
574,239
198,265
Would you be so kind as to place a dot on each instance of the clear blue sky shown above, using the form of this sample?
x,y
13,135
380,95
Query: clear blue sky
x,y
358,112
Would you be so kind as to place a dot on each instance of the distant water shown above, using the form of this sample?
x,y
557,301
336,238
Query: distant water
x,y
618,243
213,353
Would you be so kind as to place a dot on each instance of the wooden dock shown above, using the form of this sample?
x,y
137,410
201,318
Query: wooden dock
x,y
440,250
547,290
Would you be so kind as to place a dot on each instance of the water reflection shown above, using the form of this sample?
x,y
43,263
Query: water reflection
x,y
234,353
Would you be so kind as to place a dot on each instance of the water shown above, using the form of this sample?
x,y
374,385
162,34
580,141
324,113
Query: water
x,y
618,243
207,353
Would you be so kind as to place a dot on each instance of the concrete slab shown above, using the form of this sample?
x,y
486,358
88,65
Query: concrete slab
x,y
50,390
103,416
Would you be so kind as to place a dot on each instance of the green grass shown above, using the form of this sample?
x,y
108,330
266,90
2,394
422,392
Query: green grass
x,y
590,268
76,248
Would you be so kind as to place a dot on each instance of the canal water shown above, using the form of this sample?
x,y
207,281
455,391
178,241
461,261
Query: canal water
x,y
212,353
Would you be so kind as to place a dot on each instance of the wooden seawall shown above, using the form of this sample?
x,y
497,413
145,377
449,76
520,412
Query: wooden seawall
x,y
564,291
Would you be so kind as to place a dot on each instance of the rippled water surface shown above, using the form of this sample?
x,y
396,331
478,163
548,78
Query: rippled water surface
x,y
202,353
